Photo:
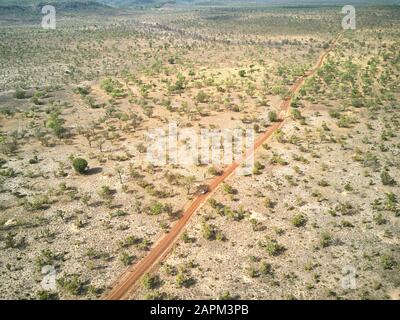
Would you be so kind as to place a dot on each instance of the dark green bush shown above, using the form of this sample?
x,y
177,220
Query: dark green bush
x,y
272,116
80,165
274,248
55,123
150,282
299,220
386,178
19,94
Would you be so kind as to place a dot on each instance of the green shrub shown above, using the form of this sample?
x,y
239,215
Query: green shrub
x,y
347,224
388,262
208,232
46,295
37,203
299,220
214,203
296,114
325,240
158,296
80,165
202,97
345,121
323,183
107,194
386,178
346,209
253,273
183,281
156,209
258,166
229,189
8,145
118,213
113,88
72,284
11,241
348,187
19,94
236,215
211,232
130,241
46,257
179,85
272,116
274,248
334,114
36,101
357,103
268,203
277,159
55,123
83,91
265,268
226,296
150,282
186,238
379,218
391,202
214,171
126,259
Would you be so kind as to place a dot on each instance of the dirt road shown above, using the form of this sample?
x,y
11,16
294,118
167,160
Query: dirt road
x,y
128,280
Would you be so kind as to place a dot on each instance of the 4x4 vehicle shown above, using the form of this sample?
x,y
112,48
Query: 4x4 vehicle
x,y
202,189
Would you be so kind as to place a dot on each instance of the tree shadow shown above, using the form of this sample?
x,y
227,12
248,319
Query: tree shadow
x,y
95,170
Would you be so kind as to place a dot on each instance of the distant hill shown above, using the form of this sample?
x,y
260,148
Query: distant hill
x,y
67,4
26,6
232,2
96,4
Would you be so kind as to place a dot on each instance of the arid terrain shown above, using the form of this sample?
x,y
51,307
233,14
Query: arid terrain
x,y
318,218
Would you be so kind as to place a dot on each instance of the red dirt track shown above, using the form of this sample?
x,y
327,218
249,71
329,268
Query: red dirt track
x,y
130,278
